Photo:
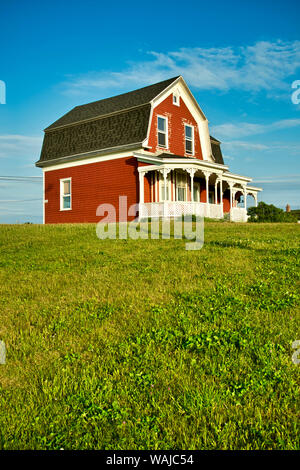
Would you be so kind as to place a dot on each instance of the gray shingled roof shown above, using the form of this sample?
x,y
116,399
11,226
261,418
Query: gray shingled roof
x,y
124,128
111,105
106,124
216,150
117,122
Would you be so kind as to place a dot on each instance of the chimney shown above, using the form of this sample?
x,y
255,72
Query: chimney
x,y
288,208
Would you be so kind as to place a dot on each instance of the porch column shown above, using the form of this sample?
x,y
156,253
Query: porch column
x,y
165,172
255,199
221,197
207,175
141,181
191,172
221,192
231,194
245,197
216,191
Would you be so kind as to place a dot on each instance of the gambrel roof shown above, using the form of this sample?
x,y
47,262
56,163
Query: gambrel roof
x,y
118,103
119,122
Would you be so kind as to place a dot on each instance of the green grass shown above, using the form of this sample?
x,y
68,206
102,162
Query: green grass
x,y
115,344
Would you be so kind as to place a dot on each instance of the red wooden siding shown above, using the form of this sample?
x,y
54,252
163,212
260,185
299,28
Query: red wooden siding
x,y
93,184
177,117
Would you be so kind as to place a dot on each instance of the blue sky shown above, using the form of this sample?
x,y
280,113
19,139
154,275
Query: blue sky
x,y
240,60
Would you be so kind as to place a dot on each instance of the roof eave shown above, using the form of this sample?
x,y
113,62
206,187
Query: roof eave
x,y
83,156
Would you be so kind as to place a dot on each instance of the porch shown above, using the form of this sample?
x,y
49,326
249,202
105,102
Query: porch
x,y
174,188
178,208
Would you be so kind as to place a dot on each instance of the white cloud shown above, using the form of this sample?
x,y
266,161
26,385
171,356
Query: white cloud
x,y
278,179
262,66
245,145
228,157
244,129
14,145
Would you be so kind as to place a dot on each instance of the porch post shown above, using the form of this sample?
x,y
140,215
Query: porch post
x,y
165,172
230,186
165,185
216,191
255,199
221,192
141,202
191,172
245,197
207,175
141,181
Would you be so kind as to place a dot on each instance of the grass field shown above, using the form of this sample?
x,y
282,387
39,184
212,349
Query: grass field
x,y
115,344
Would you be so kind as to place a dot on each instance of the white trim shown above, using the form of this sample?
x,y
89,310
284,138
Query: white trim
x,y
191,162
61,194
183,89
176,96
44,199
166,131
232,177
253,188
87,161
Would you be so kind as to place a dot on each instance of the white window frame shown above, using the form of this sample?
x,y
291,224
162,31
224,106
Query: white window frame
x,y
166,132
176,99
190,140
62,195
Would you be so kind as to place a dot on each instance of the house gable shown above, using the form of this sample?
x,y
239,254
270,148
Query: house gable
x,y
177,117
180,89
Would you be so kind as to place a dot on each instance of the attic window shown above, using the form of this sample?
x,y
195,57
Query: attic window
x,y
176,99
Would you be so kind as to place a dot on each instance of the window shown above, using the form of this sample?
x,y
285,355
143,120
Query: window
x,y
181,186
162,131
65,194
189,139
176,99
162,192
196,191
162,188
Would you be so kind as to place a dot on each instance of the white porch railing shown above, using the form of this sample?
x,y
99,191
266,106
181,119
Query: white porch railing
x,y
238,214
178,208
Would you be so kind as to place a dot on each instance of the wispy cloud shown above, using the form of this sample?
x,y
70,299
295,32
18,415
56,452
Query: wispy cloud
x,y
243,129
264,66
278,179
13,145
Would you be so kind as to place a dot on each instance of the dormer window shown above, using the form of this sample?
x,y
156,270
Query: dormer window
x,y
162,131
189,139
176,99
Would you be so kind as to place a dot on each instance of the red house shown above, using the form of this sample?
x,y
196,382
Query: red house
x,y
151,145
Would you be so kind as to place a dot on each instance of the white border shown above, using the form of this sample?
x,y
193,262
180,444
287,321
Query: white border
x,y
61,181
167,131
193,140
